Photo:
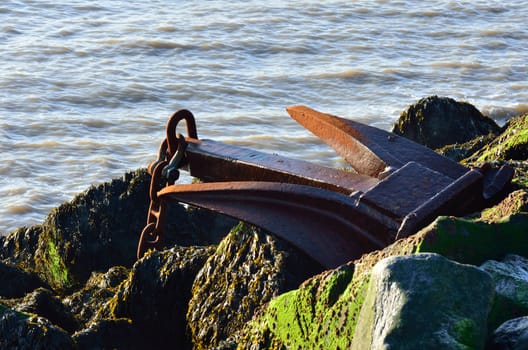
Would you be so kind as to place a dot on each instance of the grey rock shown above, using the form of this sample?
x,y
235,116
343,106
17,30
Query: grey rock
x,y
111,334
511,285
511,335
438,121
424,301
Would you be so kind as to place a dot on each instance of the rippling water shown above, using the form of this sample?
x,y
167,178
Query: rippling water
x,y
86,86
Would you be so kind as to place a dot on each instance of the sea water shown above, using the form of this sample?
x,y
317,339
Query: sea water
x,y
86,87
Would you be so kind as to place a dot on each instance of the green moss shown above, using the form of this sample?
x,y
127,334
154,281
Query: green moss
x,y
59,272
465,332
473,242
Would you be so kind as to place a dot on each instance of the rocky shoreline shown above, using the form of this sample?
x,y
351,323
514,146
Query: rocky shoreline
x,y
460,283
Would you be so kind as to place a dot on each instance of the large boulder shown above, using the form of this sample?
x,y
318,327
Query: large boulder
x,y
98,229
156,294
424,301
298,319
247,270
438,121
511,283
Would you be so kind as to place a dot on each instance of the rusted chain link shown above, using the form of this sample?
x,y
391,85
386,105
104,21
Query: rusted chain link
x,y
164,172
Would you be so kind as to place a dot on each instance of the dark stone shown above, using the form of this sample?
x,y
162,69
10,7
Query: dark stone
x,y
111,334
25,332
15,283
438,121
156,294
89,303
511,335
98,229
247,270
43,303
18,248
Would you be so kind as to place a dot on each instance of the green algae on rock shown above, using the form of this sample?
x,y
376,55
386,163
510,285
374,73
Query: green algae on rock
x,y
511,144
424,301
467,241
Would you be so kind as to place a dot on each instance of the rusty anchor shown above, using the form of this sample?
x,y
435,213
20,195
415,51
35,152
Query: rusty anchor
x,y
332,215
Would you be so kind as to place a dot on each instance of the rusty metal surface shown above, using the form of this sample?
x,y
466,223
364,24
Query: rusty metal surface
x,y
215,161
333,215
371,151
324,224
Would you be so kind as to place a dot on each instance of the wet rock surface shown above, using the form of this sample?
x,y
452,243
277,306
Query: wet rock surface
x,y
424,301
156,295
248,269
26,332
511,335
439,121
73,281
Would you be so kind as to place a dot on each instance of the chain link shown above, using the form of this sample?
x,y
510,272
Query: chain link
x,y
164,171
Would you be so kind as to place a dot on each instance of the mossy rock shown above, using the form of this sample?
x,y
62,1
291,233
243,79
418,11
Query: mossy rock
x,y
438,121
511,144
460,151
98,229
248,269
516,202
290,321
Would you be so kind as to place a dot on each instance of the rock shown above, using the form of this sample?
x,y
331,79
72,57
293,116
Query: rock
x,y
511,144
511,281
157,292
516,202
460,151
247,270
89,233
43,303
15,283
321,313
288,318
424,301
511,335
19,247
89,302
438,121
111,334
28,332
